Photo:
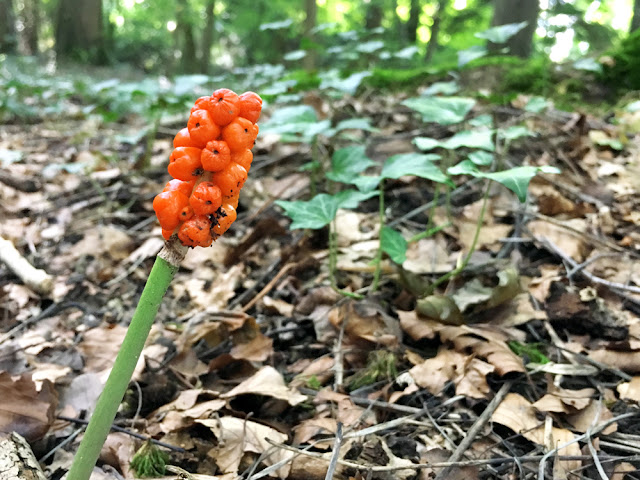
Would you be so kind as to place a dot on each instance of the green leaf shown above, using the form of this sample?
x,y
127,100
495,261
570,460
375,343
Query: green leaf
x,y
314,213
514,132
293,114
370,47
536,105
427,143
418,164
351,198
501,33
470,139
441,88
465,167
331,79
441,110
471,54
517,179
481,158
407,53
356,124
366,183
276,25
588,65
481,121
294,55
393,244
347,163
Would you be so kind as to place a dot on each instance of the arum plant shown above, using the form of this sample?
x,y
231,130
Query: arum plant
x,y
209,163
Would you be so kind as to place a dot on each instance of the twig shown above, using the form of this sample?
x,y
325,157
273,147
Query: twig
x,y
333,463
579,438
35,278
272,283
116,428
475,429
590,276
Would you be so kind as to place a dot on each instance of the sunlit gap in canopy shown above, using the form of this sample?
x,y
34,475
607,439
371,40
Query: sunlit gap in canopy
x,y
618,14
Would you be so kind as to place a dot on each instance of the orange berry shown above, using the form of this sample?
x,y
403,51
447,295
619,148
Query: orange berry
x,y
232,200
240,134
243,158
168,206
182,139
196,232
223,106
224,219
202,128
167,234
230,180
179,185
215,156
206,198
202,103
250,106
184,163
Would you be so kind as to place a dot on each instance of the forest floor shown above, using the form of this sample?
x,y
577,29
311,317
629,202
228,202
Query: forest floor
x,y
525,362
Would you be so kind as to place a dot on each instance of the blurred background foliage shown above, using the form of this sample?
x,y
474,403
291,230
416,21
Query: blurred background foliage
x,y
150,55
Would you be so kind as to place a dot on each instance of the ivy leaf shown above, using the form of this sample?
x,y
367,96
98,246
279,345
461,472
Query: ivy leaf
x,y
352,198
441,110
356,124
393,244
517,179
347,163
441,88
465,167
366,183
514,132
481,158
471,54
501,33
313,214
418,164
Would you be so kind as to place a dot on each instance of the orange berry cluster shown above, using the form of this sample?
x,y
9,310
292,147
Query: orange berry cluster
x,y
209,164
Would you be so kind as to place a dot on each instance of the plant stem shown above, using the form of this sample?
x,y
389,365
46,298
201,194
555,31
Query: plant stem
x,y
164,268
472,247
378,259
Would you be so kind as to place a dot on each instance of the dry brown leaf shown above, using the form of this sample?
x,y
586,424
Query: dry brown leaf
x,y
472,382
100,346
365,320
540,285
518,414
237,437
348,413
563,400
626,361
435,372
277,305
24,409
117,451
267,381
586,418
418,327
257,349
569,242
207,294
428,255
630,390
308,429
104,239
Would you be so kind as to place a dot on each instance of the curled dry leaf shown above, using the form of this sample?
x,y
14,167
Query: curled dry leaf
x,y
267,381
561,400
24,409
364,320
237,437
630,390
518,414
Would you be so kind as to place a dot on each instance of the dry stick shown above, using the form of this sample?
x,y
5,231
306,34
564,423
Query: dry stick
x,y
420,466
579,438
333,463
475,429
35,278
272,283
590,276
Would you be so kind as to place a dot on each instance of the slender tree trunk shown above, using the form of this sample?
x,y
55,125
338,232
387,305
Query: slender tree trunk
x,y
187,41
373,15
8,38
414,21
79,30
635,20
207,36
515,11
432,46
31,15
311,8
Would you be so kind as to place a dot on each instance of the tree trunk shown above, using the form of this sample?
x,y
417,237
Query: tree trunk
x,y
515,11
8,38
432,46
207,36
310,60
79,30
635,20
187,41
414,21
31,15
373,15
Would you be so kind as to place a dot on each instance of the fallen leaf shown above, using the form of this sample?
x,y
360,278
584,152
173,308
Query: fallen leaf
x,y
567,240
267,381
365,320
630,390
237,437
25,409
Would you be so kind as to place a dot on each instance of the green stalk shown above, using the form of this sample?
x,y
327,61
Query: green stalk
x,y
164,268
